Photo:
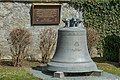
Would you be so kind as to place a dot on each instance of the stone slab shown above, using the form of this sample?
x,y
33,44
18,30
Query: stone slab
x,y
38,0
47,75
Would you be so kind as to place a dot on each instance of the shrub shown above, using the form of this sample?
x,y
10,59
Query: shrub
x,y
47,43
19,39
111,47
102,15
91,38
1,50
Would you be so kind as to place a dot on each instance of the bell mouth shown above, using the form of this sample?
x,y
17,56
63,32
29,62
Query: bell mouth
x,y
72,67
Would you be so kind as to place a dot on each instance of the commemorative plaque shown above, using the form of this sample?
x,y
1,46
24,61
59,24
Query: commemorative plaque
x,y
46,14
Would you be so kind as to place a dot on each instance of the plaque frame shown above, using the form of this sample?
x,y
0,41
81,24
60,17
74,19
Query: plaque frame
x,y
54,20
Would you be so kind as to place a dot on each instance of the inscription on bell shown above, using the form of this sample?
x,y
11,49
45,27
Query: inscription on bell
x,y
77,47
76,44
46,14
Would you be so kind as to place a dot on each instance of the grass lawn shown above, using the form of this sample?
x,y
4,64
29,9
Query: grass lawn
x,y
110,67
13,73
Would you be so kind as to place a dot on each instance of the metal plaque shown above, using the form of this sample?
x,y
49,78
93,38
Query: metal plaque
x,y
46,14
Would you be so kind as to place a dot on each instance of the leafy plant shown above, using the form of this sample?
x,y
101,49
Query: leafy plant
x,y
47,43
102,15
111,47
19,39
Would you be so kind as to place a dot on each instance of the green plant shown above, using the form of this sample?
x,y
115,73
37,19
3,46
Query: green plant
x,y
112,68
102,15
47,43
91,38
19,39
111,47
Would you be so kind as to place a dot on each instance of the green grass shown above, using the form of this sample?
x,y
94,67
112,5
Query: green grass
x,y
13,73
110,67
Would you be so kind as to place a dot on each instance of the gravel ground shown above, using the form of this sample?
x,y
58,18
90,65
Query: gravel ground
x,y
46,75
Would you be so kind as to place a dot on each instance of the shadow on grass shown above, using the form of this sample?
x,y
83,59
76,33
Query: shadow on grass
x,y
103,60
99,60
6,63
25,63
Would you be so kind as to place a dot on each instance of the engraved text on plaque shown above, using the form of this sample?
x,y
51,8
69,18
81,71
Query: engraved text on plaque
x,y
46,14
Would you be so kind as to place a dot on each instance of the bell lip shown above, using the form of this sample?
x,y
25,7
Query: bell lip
x,y
73,71
77,68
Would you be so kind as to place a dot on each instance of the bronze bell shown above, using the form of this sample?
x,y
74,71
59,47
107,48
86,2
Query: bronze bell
x,y
72,53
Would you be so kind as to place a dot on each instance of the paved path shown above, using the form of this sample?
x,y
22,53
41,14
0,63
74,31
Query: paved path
x,y
46,75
